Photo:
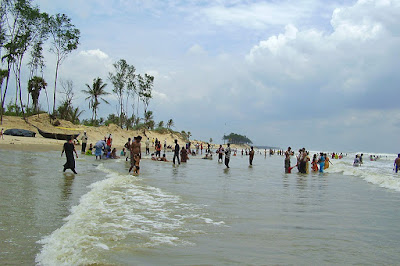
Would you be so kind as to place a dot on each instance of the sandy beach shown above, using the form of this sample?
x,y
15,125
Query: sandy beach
x,y
40,143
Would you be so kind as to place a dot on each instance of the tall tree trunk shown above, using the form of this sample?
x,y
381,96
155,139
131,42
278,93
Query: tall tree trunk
x,y
3,99
55,84
19,86
120,118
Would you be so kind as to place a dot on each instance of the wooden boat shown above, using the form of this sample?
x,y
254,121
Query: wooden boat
x,y
59,136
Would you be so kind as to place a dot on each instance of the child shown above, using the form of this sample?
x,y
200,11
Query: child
x,y
123,153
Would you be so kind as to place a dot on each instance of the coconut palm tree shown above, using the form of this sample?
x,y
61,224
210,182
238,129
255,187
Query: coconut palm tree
x,y
95,92
170,123
35,84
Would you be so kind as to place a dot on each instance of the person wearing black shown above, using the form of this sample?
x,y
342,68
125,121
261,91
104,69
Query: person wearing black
x,y
176,152
69,149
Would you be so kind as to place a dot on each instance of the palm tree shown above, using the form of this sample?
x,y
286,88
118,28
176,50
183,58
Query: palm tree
x,y
148,116
160,124
34,86
95,92
170,123
75,113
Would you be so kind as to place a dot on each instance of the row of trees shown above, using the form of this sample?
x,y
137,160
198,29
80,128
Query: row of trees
x,y
130,89
237,139
23,29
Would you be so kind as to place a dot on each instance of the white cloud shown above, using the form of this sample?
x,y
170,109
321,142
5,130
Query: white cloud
x,y
95,53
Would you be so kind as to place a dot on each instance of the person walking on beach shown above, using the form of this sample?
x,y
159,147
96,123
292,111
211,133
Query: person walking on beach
x,y
220,152
176,152
69,150
2,134
84,139
227,155
251,155
136,155
397,163
288,153
128,149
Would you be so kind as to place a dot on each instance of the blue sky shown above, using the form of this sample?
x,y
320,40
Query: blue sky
x,y
305,73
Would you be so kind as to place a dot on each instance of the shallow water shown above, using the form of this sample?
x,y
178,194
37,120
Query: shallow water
x,y
195,213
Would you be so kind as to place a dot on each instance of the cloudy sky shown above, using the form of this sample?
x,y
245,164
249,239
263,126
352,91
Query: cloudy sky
x,y
323,74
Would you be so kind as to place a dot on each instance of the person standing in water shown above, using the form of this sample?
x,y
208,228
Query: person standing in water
x,y
84,139
69,150
321,162
147,142
397,163
128,149
176,152
227,155
220,152
288,153
251,155
136,155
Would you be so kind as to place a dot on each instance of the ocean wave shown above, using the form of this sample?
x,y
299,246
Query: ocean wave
x,y
375,172
116,210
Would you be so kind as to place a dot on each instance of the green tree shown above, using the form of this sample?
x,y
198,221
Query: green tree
x,y
95,93
237,139
160,124
3,75
75,114
170,123
34,86
65,39
22,28
122,80
145,89
148,120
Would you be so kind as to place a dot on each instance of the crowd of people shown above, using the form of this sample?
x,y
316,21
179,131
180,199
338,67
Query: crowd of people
x,y
319,162
132,152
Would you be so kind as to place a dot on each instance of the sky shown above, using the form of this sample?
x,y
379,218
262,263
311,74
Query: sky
x,y
319,74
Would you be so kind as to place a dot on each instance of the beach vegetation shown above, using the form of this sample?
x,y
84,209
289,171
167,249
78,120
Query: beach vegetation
x,y
93,122
95,94
65,39
123,81
237,139
23,28
35,85
112,119
66,110
145,86
170,123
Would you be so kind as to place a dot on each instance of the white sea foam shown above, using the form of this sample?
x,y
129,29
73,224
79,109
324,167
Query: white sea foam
x,y
116,209
378,172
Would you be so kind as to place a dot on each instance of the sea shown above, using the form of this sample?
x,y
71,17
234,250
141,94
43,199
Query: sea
x,y
197,213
